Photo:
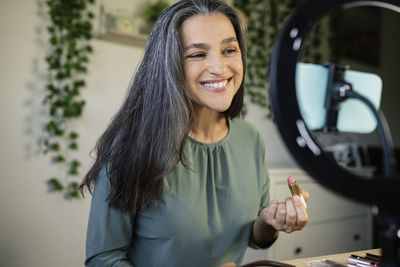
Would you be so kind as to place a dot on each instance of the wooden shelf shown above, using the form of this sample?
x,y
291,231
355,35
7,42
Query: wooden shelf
x,y
125,38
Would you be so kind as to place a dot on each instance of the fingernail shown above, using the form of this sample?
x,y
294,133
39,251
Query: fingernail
x,y
296,198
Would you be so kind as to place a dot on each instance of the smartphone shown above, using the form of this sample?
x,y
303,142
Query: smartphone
x,y
354,116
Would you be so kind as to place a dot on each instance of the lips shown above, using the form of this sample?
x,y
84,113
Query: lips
x,y
218,85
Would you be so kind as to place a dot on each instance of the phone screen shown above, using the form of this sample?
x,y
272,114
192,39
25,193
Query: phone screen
x,y
353,116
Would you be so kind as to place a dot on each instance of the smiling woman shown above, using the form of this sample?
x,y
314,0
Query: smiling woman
x,y
213,70
179,179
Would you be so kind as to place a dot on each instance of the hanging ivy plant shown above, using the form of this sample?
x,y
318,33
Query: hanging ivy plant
x,y
264,20
154,10
151,12
70,32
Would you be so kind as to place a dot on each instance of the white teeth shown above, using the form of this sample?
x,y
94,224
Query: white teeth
x,y
216,85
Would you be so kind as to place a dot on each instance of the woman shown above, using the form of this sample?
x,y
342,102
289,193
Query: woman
x,y
179,180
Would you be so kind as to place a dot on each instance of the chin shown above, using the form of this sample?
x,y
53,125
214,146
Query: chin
x,y
218,105
222,109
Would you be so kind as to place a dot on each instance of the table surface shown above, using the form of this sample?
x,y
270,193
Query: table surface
x,y
340,258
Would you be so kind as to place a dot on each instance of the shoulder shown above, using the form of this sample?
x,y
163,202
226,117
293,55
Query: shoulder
x,y
242,131
102,186
244,128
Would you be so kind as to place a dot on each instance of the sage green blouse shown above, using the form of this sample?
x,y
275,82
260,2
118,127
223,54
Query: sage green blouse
x,y
207,215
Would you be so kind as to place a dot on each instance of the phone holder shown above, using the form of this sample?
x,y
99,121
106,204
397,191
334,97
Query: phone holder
x,y
335,94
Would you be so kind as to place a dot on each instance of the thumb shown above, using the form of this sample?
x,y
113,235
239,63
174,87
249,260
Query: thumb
x,y
230,264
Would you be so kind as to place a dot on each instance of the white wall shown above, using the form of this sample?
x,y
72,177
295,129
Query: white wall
x,y
39,228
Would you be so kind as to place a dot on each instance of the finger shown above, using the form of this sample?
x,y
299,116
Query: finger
x,y
291,215
271,209
302,216
274,201
305,194
280,218
269,213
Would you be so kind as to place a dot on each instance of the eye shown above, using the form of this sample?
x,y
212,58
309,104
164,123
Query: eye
x,y
231,51
196,55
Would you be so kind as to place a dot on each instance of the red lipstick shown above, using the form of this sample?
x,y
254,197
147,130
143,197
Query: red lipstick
x,y
295,190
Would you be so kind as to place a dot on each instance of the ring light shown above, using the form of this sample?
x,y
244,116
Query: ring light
x,y
379,190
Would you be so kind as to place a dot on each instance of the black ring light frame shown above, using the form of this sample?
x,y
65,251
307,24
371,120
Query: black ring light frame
x,y
382,191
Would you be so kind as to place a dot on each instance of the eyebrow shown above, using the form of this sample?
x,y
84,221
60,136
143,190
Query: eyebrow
x,y
206,46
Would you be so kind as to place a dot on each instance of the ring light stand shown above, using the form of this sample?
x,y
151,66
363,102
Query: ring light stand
x,y
382,190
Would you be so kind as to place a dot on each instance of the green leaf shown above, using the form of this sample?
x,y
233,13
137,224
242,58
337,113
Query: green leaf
x,y
51,29
55,146
73,146
55,184
59,159
75,163
153,11
79,83
71,44
69,97
66,88
88,36
59,132
52,89
73,190
89,48
74,109
73,135
84,59
51,126
53,40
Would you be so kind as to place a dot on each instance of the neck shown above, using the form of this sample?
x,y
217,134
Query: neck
x,y
209,126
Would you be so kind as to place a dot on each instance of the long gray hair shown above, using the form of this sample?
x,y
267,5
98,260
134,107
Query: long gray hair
x,y
145,139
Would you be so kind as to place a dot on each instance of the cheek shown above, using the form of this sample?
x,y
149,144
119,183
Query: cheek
x,y
190,79
238,67
186,72
190,73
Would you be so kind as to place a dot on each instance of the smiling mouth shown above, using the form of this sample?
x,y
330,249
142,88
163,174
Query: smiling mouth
x,y
216,86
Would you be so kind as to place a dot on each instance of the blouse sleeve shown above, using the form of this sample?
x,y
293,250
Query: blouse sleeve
x,y
109,231
264,184
264,176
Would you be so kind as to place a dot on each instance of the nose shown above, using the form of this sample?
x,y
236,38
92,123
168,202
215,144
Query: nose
x,y
217,65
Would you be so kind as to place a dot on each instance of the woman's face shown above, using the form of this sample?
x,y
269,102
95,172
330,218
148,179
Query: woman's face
x,y
212,61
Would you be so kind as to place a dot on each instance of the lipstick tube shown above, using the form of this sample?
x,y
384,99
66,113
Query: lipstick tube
x,y
295,190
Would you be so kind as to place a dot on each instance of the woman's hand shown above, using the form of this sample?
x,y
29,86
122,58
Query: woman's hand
x,y
231,264
287,216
